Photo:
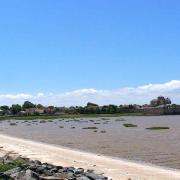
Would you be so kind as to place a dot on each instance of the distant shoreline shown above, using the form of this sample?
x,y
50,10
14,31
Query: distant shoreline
x,y
75,116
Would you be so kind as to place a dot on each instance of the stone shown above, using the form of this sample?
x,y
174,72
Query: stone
x,y
70,169
13,171
53,170
47,172
30,175
35,170
1,160
79,171
32,167
82,178
37,162
5,177
90,170
40,169
59,167
51,178
7,159
49,166
65,175
20,175
93,176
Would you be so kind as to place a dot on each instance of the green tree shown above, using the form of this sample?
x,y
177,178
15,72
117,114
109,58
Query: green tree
x,y
15,108
28,105
4,108
39,106
104,110
112,109
91,108
91,104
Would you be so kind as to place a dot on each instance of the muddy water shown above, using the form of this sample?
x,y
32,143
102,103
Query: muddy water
x,y
160,147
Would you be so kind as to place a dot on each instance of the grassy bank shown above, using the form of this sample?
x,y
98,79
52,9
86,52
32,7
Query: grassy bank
x,y
68,116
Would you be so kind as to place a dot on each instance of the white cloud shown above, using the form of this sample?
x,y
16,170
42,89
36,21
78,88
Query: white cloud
x,y
127,95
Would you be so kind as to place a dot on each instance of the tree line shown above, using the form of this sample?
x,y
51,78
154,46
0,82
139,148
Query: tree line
x,y
16,108
90,108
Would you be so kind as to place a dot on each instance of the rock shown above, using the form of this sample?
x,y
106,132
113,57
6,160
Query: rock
x,y
82,178
40,169
35,170
61,171
7,159
13,171
32,167
93,176
47,172
57,175
90,170
59,167
1,160
5,177
54,170
20,175
69,169
65,175
27,175
37,162
79,171
49,166
50,178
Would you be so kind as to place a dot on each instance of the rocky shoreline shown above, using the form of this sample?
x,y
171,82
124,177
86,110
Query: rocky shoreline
x,y
19,168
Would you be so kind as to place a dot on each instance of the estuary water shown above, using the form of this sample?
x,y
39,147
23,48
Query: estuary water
x,y
108,136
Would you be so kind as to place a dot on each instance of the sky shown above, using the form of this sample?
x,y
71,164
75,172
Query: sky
x,y
71,52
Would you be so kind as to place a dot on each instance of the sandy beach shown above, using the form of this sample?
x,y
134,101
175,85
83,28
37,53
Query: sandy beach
x,y
113,168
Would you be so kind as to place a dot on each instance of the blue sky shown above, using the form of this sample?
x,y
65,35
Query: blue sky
x,y
62,46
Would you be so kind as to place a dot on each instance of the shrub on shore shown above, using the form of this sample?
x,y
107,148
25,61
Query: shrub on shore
x,y
13,124
157,128
130,125
61,127
90,128
103,131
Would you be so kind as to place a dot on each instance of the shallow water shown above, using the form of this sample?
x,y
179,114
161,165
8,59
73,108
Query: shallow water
x,y
160,147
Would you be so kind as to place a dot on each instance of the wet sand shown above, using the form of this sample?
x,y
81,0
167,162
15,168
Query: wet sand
x,y
113,168
159,147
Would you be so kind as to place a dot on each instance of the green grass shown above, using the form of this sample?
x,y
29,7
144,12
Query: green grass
x,y
11,165
157,128
129,125
69,116
6,167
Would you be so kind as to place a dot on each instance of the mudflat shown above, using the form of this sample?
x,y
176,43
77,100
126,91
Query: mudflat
x,y
108,136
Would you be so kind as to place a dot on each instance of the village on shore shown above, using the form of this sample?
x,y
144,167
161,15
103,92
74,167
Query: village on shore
x,y
158,106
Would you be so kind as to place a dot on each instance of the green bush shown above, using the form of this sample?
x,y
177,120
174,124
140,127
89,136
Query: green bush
x,y
129,125
90,128
157,128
